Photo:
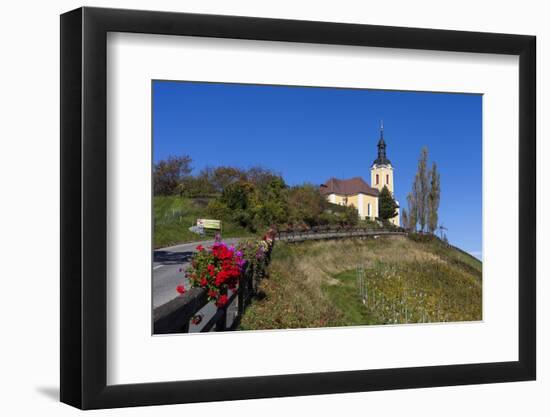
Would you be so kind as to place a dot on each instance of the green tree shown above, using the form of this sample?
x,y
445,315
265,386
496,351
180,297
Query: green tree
x,y
239,197
196,186
306,205
271,205
221,177
348,216
262,178
236,196
387,207
413,212
433,198
421,189
169,173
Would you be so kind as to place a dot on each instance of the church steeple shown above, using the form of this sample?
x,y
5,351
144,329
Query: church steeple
x,y
382,159
381,171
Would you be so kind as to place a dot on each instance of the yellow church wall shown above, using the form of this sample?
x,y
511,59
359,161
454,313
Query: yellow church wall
x,y
385,177
359,201
337,199
353,201
373,201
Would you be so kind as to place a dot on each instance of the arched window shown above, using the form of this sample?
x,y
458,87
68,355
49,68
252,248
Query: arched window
x,y
387,179
368,209
377,179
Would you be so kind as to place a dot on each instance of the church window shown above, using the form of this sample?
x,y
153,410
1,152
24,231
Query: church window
x,y
387,179
377,179
368,209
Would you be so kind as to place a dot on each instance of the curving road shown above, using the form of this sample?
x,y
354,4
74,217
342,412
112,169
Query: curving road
x,y
167,263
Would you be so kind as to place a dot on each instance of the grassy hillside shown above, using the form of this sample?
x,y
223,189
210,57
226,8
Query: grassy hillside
x,y
314,284
173,215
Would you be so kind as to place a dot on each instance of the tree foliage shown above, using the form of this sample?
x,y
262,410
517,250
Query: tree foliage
x,y
387,207
252,198
413,212
421,189
306,204
433,199
196,186
222,177
404,218
169,173
424,198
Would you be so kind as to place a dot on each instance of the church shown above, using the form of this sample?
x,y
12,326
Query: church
x,y
358,193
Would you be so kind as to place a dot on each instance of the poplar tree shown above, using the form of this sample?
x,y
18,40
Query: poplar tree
x,y
421,189
412,212
433,198
404,218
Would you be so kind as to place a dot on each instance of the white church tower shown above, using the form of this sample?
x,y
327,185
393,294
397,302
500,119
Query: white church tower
x,y
381,172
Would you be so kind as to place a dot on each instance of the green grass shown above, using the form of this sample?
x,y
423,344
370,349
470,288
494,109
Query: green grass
x,y
315,284
173,215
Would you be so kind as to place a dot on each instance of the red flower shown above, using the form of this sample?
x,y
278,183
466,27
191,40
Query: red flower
x,y
222,301
204,282
211,270
212,294
221,277
180,289
200,248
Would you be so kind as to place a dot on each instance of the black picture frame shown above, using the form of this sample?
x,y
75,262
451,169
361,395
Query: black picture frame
x,y
84,207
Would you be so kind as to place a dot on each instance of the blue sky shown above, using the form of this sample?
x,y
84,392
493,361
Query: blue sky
x,y
310,134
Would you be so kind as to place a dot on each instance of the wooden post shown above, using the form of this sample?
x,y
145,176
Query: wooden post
x,y
221,324
240,297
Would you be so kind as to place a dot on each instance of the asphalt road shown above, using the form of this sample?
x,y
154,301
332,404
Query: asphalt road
x,y
167,263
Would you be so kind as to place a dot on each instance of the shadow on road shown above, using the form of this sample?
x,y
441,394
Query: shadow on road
x,y
171,258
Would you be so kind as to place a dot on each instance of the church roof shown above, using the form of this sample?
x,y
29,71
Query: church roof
x,y
351,186
382,159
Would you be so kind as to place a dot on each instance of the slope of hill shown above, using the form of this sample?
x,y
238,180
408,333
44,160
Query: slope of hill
x,y
173,215
315,284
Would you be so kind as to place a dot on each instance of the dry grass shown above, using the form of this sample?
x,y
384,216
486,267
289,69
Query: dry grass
x,y
312,284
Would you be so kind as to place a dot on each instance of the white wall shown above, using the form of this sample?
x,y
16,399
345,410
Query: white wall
x,y
30,205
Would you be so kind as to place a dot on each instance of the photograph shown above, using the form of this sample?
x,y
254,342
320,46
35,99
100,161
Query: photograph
x,y
294,207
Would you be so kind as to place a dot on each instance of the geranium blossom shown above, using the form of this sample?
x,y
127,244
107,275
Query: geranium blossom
x,y
222,300
219,267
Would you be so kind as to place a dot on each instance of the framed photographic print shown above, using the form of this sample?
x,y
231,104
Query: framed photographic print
x,y
258,207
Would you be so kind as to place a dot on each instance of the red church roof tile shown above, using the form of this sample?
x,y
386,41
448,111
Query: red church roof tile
x,y
352,186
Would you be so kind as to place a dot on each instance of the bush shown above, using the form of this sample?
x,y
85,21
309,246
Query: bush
x,y
421,237
196,187
218,210
169,173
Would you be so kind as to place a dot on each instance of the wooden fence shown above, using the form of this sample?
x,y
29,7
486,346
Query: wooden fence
x,y
339,233
175,316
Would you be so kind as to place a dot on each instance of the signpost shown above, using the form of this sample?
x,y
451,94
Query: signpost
x,y
210,224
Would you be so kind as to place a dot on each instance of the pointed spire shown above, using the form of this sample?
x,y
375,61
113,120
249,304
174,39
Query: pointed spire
x,y
382,159
381,140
